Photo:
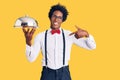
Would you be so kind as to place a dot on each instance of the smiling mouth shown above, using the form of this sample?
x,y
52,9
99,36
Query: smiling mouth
x,y
55,23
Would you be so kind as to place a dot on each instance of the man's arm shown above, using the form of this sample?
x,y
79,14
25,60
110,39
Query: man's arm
x,y
31,50
83,39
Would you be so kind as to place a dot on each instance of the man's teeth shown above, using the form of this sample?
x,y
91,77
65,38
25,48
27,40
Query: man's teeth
x,y
55,23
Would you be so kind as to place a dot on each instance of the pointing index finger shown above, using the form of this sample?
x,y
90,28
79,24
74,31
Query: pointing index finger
x,y
72,33
78,28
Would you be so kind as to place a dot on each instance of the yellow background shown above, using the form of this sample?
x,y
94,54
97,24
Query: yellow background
x,y
101,18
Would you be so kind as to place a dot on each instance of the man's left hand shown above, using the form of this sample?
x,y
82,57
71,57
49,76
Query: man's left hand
x,y
80,33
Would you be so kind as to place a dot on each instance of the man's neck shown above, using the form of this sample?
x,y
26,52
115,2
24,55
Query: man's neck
x,y
55,28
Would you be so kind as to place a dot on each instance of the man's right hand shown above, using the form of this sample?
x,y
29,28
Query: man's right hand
x,y
28,34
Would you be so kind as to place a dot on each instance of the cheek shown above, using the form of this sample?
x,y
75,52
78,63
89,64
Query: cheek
x,y
60,22
51,20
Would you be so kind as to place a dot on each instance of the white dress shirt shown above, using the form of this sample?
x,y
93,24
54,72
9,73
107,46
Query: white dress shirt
x,y
55,47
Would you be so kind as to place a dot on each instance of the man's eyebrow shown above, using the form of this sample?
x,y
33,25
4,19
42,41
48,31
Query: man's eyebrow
x,y
56,15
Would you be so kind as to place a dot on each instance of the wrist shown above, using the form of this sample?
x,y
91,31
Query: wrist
x,y
28,43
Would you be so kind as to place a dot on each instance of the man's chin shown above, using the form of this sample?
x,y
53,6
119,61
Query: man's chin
x,y
55,27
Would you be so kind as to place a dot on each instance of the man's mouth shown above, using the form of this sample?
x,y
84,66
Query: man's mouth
x,y
55,23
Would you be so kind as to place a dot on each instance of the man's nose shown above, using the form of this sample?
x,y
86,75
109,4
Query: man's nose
x,y
56,19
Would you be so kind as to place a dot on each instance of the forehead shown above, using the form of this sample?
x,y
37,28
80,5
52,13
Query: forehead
x,y
58,13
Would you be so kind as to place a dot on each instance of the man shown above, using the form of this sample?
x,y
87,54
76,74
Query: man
x,y
55,44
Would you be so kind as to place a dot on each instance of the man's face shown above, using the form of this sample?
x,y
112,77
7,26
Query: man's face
x,y
56,19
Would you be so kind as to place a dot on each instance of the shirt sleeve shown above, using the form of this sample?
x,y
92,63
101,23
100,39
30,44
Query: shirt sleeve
x,y
87,43
33,51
